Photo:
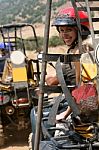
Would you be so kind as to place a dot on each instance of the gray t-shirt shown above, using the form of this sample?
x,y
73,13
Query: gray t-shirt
x,y
69,69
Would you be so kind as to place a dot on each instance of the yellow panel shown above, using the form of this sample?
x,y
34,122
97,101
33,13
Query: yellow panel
x,y
91,70
19,74
85,131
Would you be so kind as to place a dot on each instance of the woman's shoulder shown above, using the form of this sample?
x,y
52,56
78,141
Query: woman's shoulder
x,y
87,45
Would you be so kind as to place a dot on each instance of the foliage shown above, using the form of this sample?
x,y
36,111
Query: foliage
x,y
30,43
55,41
29,11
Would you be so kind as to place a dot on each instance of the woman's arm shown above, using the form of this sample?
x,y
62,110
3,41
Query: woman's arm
x,y
77,71
64,114
53,80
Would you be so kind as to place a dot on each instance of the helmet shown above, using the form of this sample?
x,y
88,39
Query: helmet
x,y
67,16
6,46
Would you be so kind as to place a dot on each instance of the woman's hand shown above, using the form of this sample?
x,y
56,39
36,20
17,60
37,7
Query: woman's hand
x,y
61,116
52,80
64,114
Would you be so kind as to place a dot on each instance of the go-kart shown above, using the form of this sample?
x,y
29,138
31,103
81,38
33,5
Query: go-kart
x,y
82,137
19,76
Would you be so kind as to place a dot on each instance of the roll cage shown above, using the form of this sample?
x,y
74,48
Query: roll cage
x,y
64,58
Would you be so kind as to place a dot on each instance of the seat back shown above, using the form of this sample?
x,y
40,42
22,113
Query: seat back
x,y
88,66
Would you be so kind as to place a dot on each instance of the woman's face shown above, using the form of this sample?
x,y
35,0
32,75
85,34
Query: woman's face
x,y
68,34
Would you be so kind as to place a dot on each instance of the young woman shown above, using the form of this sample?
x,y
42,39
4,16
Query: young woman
x,y
66,25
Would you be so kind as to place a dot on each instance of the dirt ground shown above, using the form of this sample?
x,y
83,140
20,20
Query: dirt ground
x,y
16,141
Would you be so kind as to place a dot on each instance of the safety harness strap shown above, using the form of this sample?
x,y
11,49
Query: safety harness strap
x,y
65,90
53,112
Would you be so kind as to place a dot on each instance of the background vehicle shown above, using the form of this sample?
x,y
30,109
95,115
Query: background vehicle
x,y
18,79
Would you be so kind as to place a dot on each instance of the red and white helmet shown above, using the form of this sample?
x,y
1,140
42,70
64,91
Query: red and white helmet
x,y
67,16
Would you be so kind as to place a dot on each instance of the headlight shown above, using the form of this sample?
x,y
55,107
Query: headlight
x,y
97,54
40,56
17,57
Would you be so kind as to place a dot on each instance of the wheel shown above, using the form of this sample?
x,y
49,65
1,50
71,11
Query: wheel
x,y
2,138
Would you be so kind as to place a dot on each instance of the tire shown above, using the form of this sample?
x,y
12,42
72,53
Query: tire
x,y
2,138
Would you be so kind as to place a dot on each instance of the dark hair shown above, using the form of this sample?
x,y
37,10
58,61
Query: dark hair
x,y
85,32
